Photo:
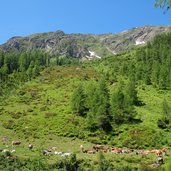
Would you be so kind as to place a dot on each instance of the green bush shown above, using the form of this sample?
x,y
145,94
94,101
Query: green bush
x,y
49,114
8,124
138,138
16,115
68,164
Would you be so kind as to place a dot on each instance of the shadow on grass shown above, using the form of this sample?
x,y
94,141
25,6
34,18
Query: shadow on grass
x,y
139,103
135,121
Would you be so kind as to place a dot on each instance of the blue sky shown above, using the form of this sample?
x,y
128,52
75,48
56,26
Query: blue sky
x,y
25,17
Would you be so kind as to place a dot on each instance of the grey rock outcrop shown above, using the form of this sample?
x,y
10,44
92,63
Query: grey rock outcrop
x,y
81,45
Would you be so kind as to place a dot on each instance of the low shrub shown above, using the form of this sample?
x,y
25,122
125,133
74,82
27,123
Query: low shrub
x,y
8,124
49,114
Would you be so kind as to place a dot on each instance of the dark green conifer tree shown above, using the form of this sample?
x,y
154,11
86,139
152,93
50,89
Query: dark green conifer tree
x,y
131,91
122,104
165,120
98,105
30,70
78,101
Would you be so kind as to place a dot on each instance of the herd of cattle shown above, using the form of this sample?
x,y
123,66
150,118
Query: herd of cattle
x,y
116,150
30,147
96,148
44,152
160,153
15,143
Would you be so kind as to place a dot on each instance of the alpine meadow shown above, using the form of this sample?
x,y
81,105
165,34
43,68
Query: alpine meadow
x,y
87,102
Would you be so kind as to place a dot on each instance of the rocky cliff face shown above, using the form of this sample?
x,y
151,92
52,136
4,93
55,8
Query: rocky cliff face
x,y
85,45
137,36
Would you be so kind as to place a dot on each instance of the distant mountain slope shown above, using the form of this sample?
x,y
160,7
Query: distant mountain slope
x,y
85,45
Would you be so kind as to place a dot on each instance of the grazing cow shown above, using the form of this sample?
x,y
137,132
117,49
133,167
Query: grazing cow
x,y
5,150
145,152
160,152
160,160
164,150
30,146
58,152
157,152
116,150
125,150
46,152
91,152
98,147
106,150
53,148
13,151
16,143
81,148
66,154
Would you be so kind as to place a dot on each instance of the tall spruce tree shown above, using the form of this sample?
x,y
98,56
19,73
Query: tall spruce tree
x,y
78,101
165,120
166,109
131,91
98,105
122,104
104,106
164,78
117,106
30,70
4,71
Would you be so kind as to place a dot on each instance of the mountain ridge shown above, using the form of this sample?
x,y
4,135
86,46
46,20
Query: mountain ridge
x,y
85,45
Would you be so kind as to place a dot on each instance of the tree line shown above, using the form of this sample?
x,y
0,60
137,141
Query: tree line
x,y
16,67
150,64
153,62
26,63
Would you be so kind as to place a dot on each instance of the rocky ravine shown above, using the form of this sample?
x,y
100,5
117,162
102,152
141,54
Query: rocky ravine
x,y
85,45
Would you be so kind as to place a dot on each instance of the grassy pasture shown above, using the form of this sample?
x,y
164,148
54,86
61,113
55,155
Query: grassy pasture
x,y
39,112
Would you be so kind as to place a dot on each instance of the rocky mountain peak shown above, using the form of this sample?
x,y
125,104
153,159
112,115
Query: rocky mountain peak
x,y
85,45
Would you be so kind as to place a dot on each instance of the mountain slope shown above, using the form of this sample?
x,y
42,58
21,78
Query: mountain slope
x,y
85,45
36,102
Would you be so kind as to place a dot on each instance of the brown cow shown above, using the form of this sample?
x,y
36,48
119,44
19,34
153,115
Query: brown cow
x,y
165,150
16,143
157,152
116,150
145,152
98,147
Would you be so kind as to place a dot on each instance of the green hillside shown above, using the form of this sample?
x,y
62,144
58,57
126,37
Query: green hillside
x,y
126,103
